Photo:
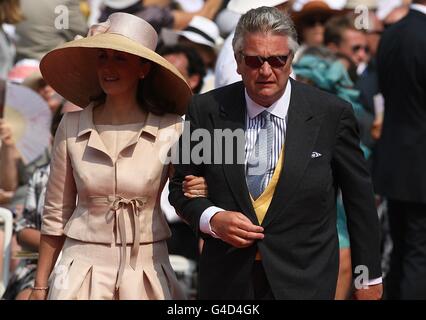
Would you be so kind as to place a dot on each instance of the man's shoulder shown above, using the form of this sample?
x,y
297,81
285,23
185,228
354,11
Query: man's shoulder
x,y
222,92
211,100
319,100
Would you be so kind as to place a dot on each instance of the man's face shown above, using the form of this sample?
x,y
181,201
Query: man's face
x,y
264,84
354,45
180,61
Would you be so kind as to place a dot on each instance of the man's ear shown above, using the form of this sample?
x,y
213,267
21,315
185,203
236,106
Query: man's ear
x,y
238,60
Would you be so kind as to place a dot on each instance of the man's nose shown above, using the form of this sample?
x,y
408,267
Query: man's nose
x,y
362,55
265,69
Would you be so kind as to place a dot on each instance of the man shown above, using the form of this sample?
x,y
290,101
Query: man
x,y
341,36
226,67
270,230
399,169
188,62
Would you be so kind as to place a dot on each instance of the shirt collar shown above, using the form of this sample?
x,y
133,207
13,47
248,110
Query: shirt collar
x,y
279,108
418,7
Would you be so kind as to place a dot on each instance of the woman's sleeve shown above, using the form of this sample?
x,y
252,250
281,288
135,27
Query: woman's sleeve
x,y
61,192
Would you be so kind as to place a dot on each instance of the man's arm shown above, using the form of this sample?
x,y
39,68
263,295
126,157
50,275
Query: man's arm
x,y
189,209
351,173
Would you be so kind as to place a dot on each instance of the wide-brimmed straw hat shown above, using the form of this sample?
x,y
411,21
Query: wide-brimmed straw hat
x,y
71,68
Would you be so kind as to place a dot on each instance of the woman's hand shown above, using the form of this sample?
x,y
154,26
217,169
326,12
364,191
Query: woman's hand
x,y
194,187
6,135
38,295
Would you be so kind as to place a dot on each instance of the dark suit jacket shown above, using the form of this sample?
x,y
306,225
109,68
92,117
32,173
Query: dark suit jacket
x,y
400,160
300,251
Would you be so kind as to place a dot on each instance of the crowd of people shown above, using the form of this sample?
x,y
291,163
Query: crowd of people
x,y
330,97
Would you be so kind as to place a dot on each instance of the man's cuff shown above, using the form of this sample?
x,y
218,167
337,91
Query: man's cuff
x,y
205,220
374,281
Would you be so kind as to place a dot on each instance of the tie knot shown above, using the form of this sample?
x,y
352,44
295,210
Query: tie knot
x,y
266,117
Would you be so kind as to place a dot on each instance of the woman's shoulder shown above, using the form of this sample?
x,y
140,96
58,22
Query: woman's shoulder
x,y
169,119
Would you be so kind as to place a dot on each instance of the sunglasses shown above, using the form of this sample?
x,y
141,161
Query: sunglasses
x,y
360,47
313,21
255,62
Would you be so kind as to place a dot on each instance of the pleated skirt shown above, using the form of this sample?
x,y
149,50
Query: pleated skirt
x,y
88,271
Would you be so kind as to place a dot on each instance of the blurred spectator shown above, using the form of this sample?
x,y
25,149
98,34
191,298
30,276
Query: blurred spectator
x,y
202,35
395,15
319,67
14,173
310,22
188,62
399,167
27,228
9,13
341,36
47,24
159,14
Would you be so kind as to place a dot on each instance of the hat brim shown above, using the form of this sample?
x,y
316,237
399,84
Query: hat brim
x,y
299,16
71,70
196,38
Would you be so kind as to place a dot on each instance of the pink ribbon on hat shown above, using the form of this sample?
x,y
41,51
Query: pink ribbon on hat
x,y
129,26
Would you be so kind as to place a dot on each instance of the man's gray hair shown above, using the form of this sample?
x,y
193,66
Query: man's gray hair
x,y
265,20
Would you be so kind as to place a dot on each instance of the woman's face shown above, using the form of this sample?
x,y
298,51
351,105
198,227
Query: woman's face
x,y
119,72
313,31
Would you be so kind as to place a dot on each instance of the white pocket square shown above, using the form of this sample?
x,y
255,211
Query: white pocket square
x,y
315,155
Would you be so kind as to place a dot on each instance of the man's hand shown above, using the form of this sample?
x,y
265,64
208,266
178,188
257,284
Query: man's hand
x,y
235,228
370,293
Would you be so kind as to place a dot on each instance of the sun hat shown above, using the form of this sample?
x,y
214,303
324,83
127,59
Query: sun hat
x,y
314,7
202,31
70,69
242,6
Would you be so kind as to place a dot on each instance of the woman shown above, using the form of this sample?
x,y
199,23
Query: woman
x,y
110,157
310,22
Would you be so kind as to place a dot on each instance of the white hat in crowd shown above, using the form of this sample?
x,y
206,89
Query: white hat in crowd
x,y
242,6
352,4
120,4
202,31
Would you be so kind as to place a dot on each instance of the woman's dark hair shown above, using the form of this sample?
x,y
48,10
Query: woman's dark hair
x,y
56,119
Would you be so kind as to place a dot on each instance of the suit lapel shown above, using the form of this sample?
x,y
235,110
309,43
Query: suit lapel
x,y
232,116
301,134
